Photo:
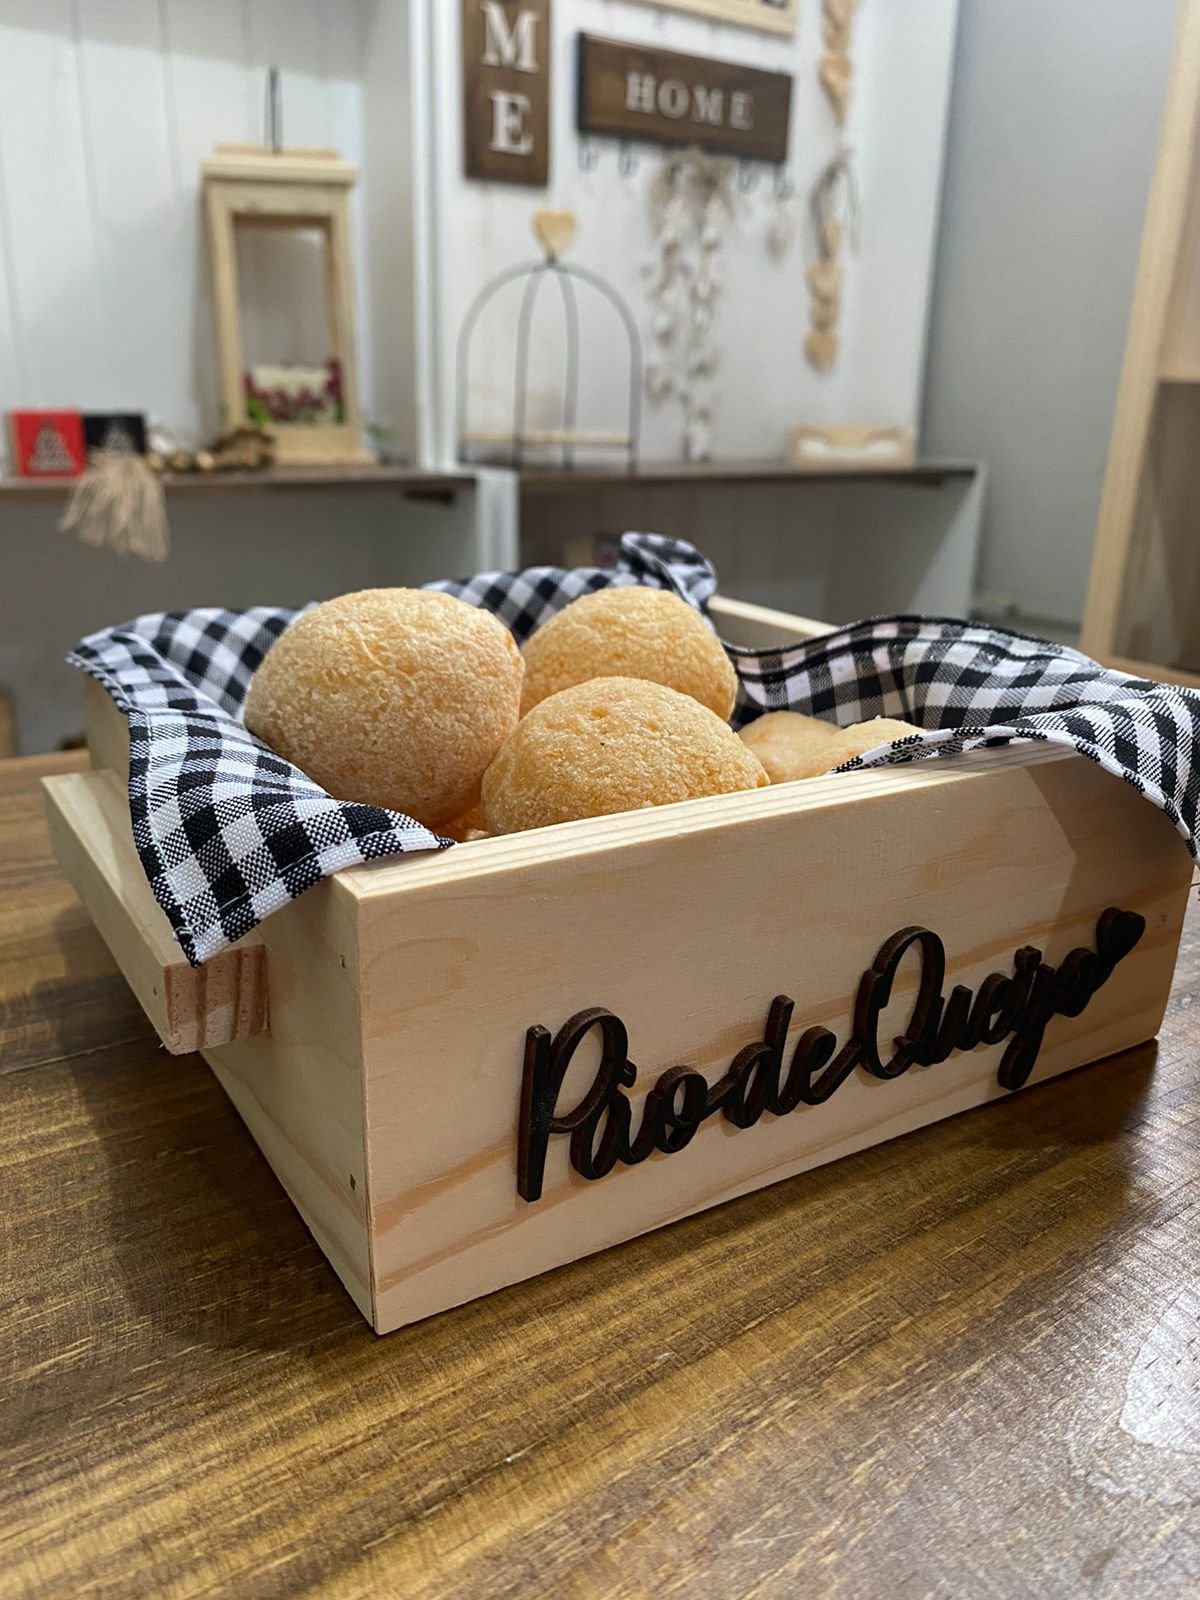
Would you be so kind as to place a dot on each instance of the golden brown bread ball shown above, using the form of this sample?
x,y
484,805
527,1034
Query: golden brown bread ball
x,y
393,697
860,737
612,744
630,632
791,745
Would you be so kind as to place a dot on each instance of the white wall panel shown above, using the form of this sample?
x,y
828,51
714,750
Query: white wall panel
x,y
903,58
343,64
288,34
393,153
50,207
1053,134
141,244
209,102
107,108
12,354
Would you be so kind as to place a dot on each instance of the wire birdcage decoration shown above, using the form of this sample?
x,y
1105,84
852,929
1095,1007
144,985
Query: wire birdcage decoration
x,y
510,447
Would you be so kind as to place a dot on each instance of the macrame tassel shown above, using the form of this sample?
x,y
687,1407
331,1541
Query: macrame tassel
x,y
119,505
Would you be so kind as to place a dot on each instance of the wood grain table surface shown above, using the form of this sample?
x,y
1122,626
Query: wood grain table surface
x,y
965,1363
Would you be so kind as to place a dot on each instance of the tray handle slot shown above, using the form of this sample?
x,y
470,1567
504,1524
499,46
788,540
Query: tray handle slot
x,y
192,1008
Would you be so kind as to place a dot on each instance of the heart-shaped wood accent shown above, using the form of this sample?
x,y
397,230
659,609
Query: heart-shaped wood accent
x,y
830,237
824,280
824,314
839,12
835,73
554,230
821,348
836,36
1118,932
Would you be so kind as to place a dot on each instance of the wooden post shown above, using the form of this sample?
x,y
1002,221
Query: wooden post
x,y
1172,214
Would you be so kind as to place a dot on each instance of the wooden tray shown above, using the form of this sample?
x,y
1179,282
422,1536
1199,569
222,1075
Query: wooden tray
x,y
396,1039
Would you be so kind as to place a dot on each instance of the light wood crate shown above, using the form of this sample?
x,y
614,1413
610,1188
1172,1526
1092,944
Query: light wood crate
x,y
375,1034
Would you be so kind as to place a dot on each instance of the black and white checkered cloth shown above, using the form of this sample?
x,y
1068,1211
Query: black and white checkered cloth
x,y
228,832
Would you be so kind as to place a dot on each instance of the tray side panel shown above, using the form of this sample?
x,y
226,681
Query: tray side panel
x,y
299,1088
688,939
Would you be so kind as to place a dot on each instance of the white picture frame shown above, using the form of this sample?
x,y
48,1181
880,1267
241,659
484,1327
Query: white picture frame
x,y
767,16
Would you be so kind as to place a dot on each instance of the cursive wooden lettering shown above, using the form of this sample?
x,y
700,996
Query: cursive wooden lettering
x,y
1016,1006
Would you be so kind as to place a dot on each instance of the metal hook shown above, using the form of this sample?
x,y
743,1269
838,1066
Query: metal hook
x,y
588,155
627,160
747,177
784,187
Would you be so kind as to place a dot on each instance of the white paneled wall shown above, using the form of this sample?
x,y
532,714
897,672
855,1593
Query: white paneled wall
x,y
903,53
107,108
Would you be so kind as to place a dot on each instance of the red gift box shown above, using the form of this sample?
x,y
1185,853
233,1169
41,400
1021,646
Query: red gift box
x,y
48,444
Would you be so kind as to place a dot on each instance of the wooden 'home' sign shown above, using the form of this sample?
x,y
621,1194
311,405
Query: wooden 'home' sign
x,y
635,91
506,90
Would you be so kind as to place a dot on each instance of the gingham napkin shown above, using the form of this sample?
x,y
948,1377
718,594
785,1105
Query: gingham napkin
x,y
228,832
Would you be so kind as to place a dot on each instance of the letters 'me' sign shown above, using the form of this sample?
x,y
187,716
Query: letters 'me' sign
x,y
634,91
1015,1006
506,90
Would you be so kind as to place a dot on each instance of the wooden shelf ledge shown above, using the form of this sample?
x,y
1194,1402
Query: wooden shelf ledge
x,y
690,474
409,481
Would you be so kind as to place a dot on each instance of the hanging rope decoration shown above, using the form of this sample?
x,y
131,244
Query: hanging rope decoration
x,y
836,70
691,209
833,199
833,211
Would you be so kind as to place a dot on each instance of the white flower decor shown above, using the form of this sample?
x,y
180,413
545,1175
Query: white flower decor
x,y
691,208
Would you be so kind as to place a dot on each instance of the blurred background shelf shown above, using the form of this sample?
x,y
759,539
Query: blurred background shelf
x,y
837,542
406,480
696,474
281,537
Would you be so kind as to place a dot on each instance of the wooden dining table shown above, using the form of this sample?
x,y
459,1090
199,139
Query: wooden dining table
x,y
963,1363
